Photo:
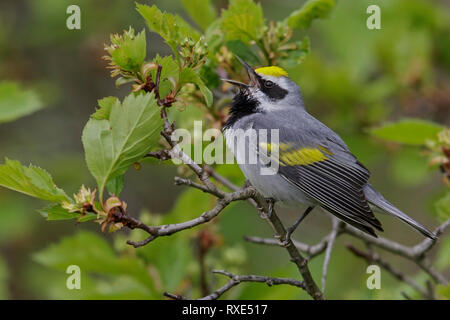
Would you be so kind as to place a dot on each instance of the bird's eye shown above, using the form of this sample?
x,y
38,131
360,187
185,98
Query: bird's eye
x,y
268,84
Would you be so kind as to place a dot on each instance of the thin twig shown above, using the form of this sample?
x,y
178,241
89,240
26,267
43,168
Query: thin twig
x,y
274,221
181,181
169,229
310,250
174,296
333,235
295,256
414,253
237,279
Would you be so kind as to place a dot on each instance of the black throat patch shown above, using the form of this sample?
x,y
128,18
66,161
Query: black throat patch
x,y
243,105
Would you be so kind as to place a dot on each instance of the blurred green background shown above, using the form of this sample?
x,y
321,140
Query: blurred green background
x,y
352,80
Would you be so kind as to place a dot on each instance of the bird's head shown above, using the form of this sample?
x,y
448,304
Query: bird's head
x,y
269,87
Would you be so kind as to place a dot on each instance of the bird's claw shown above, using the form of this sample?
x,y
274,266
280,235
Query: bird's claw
x,y
287,238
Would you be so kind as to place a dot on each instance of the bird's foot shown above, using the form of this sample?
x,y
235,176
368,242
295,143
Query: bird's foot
x,y
287,238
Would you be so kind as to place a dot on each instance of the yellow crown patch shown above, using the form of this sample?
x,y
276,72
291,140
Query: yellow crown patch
x,y
273,71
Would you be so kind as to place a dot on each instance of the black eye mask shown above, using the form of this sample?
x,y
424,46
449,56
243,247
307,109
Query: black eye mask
x,y
272,90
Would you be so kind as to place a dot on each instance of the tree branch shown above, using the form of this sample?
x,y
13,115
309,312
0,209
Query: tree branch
x,y
332,238
295,256
237,279
416,253
169,229
310,250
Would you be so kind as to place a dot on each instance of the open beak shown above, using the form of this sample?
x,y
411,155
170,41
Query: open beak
x,y
253,76
237,83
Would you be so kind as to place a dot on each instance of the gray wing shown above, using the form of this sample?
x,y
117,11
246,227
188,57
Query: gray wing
x,y
336,181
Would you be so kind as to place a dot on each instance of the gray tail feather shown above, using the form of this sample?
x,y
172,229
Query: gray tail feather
x,y
376,199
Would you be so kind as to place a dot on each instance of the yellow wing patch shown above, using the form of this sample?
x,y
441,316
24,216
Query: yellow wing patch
x,y
271,146
297,157
302,157
273,71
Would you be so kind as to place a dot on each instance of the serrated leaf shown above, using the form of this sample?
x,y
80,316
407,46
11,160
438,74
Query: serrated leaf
x,y
243,20
105,106
16,102
169,74
201,11
172,28
111,147
188,75
312,9
408,131
169,69
129,50
30,180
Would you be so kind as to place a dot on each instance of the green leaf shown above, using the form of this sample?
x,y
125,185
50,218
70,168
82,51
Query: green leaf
x,y
169,69
208,72
297,55
115,185
207,94
201,11
129,50
169,74
111,147
105,106
313,9
243,21
172,28
214,37
92,254
442,207
188,75
244,51
57,212
87,217
31,180
408,131
16,102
